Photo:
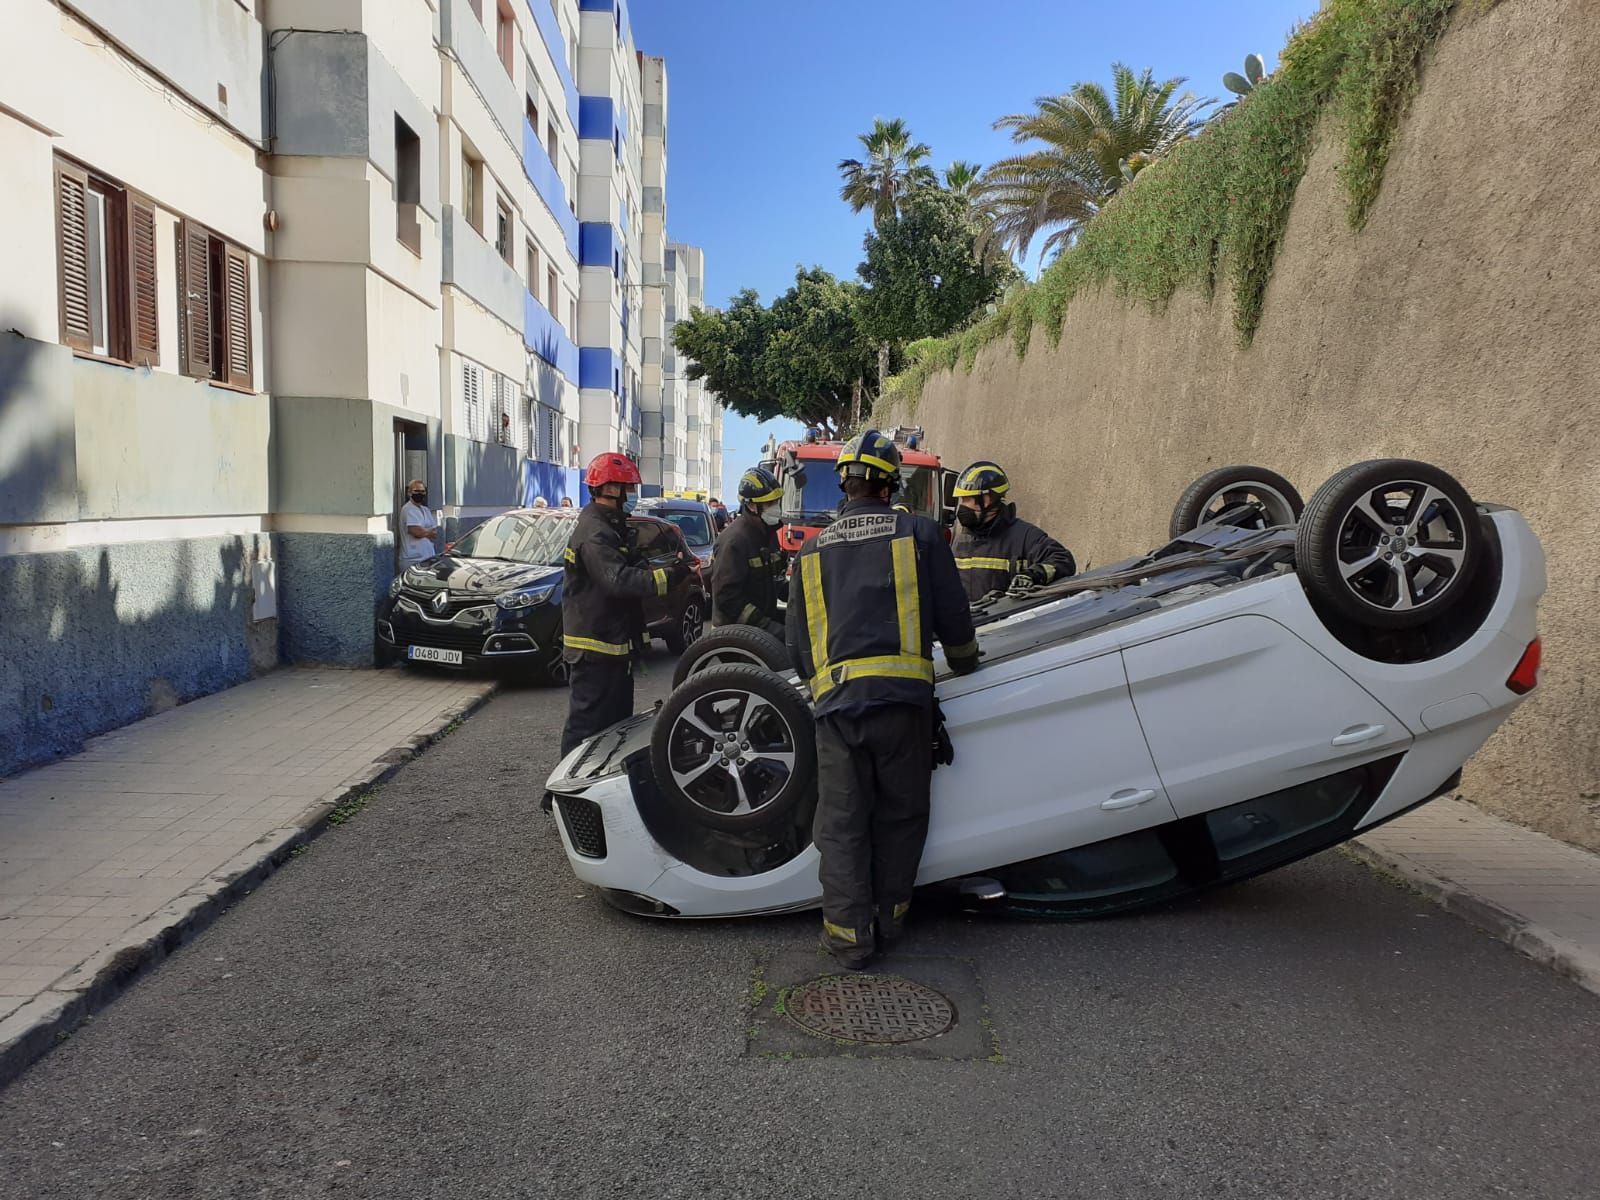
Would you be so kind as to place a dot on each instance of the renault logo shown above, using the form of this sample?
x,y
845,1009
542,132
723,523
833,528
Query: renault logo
x,y
441,601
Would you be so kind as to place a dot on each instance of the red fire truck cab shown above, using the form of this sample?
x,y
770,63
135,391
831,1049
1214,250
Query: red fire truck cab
x,y
811,495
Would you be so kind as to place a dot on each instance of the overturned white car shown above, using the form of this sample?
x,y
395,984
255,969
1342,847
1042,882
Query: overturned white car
x,y
1266,685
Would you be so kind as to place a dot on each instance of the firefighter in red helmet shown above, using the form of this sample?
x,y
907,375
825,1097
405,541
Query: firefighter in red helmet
x,y
602,607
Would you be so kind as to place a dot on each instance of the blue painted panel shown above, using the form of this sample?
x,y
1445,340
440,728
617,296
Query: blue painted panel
x,y
543,335
597,244
596,117
597,5
552,481
598,367
550,30
542,174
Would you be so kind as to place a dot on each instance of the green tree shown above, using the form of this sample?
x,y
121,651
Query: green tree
x,y
894,166
961,179
924,274
1094,143
802,358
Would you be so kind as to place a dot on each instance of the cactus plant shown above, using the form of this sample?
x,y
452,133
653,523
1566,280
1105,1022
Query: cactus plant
x,y
1255,70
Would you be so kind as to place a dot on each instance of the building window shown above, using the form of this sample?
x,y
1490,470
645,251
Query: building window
x,y
533,114
505,35
502,230
551,145
407,185
552,284
213,307
106,253
472,190
573,318
472,400
533,270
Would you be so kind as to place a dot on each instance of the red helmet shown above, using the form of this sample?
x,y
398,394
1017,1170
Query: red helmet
x,y
612,467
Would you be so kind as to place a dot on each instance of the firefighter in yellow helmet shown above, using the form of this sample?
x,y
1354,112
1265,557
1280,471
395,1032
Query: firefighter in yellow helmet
x,y
874,589
996,550
748,569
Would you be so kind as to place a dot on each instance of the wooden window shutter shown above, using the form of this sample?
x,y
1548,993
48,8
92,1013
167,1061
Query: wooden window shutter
x,y
194,300
72,254
236,307
143,320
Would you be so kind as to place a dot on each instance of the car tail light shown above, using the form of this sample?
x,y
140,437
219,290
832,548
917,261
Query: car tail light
x,y
1526,677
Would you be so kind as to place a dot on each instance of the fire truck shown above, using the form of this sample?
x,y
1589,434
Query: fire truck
x,y
811,495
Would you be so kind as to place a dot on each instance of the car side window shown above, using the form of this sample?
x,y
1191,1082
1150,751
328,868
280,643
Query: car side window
x,y
647,537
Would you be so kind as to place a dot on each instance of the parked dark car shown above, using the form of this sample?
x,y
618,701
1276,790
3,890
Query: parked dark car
x,y
493,598
693,519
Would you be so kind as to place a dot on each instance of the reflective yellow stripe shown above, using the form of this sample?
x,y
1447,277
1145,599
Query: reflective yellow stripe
x,y
748,614
660,574
984,564
902,909
599,647
964,651
816,613
907,603
570,555
839,931
758,561
872,460
883,666
765,497
1049,572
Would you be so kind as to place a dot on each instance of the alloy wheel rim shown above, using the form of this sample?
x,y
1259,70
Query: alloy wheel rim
x,y
1402,546
693,624
731,752
1273,507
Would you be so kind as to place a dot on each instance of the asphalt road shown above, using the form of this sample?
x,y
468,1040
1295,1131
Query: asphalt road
x,y
426,1003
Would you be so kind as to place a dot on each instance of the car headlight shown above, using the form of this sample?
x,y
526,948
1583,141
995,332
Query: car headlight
x,y
395,585
525,597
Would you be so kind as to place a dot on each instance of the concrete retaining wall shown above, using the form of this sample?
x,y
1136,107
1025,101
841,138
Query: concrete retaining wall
x,y
1459,327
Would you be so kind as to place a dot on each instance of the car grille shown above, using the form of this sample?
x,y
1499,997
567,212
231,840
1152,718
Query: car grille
x,y
457,603
586,830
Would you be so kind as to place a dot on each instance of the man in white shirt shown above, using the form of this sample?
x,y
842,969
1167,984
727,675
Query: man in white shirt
x,y
420,527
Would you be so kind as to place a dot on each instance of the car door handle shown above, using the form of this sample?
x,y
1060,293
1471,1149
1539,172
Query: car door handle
x,y
1128,798
1357,734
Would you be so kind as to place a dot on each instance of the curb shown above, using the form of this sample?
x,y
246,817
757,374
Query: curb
x,y
1561,955
50,1017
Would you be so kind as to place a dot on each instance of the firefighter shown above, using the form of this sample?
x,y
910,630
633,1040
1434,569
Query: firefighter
x,y
747,571
602,608
995,550
875,588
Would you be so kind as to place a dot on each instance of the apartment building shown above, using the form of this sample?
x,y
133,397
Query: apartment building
x,y
136,563
265,262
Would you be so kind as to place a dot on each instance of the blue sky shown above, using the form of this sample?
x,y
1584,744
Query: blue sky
x,y
766,96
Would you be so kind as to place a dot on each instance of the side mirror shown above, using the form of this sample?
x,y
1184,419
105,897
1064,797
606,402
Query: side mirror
x,y
947,500
798,474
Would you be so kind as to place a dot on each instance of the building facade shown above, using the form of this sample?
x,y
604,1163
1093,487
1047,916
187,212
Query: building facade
x,y
266,262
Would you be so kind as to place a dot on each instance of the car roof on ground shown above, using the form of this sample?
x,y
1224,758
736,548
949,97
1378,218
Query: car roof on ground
x,y
566,514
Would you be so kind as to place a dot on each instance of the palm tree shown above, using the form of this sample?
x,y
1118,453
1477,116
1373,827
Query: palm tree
x,y
893,167
1095,143
961,178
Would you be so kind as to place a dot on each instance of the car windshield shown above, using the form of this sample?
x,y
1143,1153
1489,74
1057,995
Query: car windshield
x,y
520,539
694,526
821,496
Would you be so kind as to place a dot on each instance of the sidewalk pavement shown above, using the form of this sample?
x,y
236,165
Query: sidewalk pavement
x,y
112,858
1540,895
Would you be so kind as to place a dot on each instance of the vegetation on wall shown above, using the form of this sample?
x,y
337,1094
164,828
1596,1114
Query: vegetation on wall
x,y
1213,209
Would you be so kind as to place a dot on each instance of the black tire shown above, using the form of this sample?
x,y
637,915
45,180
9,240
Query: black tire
x,y
727,645
1430,537
690,624
774,761
1203,499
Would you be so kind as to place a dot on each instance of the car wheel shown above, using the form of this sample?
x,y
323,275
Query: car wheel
x,y
691,623
1390,544
729,645
734,748
1242,496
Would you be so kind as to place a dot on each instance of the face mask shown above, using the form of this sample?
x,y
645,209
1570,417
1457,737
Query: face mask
x,y
419,497
629,503
772,516
970,518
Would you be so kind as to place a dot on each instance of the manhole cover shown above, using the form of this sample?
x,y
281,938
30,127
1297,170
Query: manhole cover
x,y
869,1008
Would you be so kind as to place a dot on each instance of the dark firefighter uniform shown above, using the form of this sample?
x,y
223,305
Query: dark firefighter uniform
x,y
991,557
747,575
872,592
602,618
992,546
